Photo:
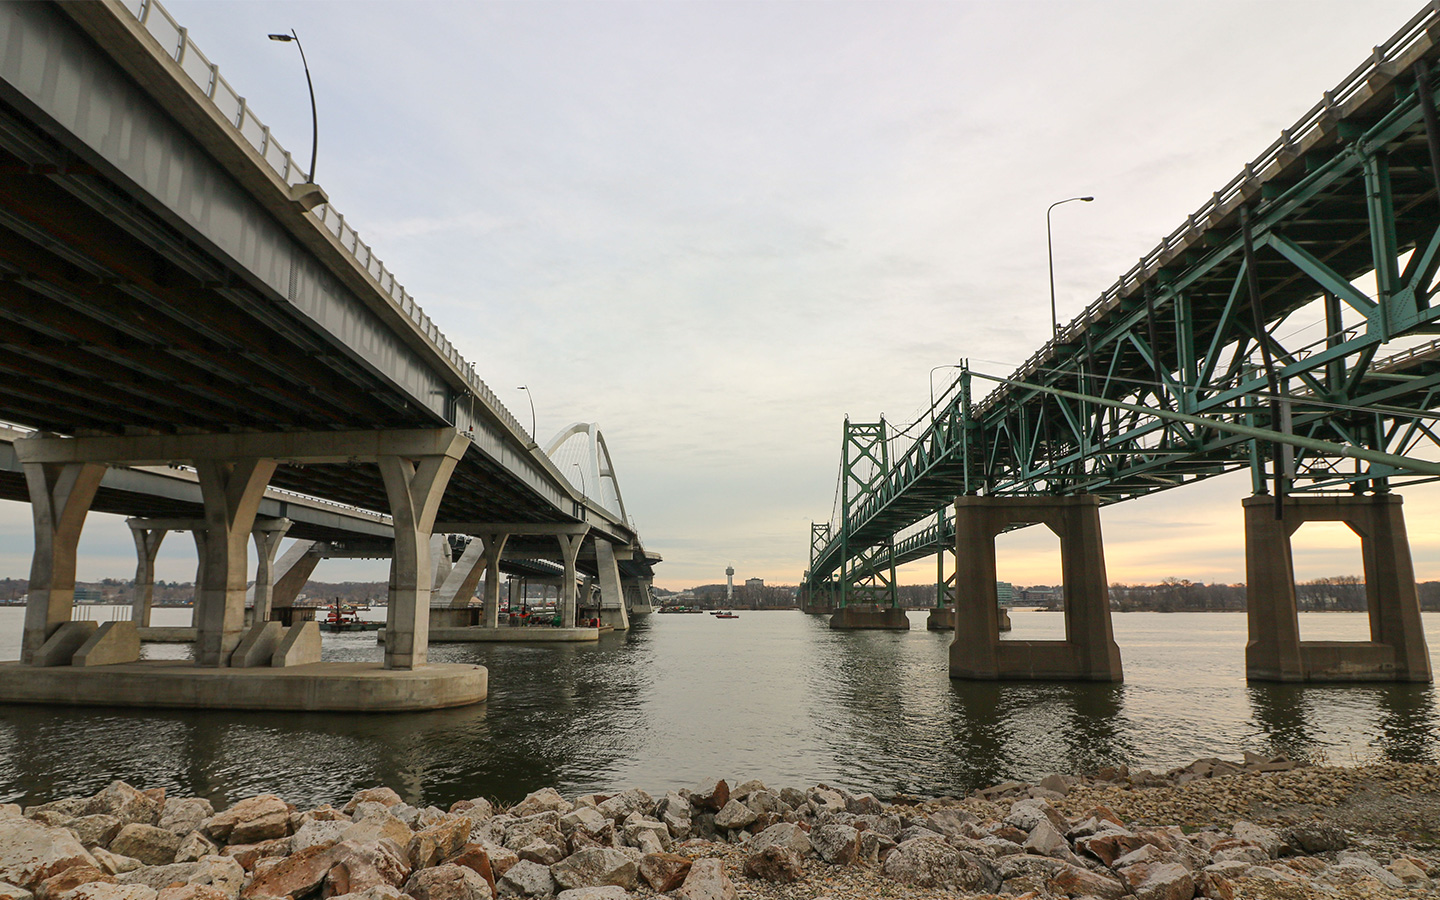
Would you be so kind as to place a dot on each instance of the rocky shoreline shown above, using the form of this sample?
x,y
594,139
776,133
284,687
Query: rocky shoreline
x,y
1261,828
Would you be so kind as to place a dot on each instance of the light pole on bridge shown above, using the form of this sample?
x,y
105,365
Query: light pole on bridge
x,y
292,37
1050,253
932,384
534,435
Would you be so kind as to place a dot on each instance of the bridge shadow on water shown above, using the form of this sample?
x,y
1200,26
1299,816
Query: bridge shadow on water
x,y
1297,720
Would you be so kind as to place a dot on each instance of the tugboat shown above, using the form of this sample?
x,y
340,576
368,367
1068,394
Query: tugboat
x,y
343,617
726,614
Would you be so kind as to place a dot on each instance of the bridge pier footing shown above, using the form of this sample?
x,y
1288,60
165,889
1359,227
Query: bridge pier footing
x,y
1089,652
942,618
1396,650
866,616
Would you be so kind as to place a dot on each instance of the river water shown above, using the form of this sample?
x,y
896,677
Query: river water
x,y
772,695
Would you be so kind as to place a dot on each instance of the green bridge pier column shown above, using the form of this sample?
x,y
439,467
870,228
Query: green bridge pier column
x,y
1396,650
1088,652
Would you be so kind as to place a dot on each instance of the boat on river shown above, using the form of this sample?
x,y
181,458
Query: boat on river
x,y
343,617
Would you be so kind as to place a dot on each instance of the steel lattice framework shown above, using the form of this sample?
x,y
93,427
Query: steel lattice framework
x,y
1153,386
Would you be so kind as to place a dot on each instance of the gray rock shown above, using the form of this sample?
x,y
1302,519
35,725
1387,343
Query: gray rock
x,y
543,800
1046,841
185,816
674,812
932,863
915,831
626,802
1317,837
658,836
791,797
783,834
1055,783
195,847
125,803
597,866
152,845
542,852
874,847
526,879
69,808
710,795
588,820
96,830
608,892
774,863
1025,814
707,881
1163,881
838,845
318,834
734,815
447,882
220,872
1260,836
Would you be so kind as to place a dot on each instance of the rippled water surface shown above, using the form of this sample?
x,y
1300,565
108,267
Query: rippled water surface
x,y
775,695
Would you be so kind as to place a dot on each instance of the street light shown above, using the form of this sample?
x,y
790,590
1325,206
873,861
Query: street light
x,y
583,492
1050,252
314,120
531,398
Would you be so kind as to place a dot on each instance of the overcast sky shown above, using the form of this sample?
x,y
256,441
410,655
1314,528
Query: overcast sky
x,y
718,228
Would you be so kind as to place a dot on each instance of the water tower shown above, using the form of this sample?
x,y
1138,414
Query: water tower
x,y
729,585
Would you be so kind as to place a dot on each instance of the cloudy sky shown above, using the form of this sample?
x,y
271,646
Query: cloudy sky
x,y
718,228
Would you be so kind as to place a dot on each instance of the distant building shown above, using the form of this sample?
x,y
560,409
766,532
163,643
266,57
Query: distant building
x,y
88,595
754,582
1005,591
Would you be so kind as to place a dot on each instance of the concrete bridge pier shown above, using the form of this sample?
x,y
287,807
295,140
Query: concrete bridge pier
x,y
638,599
1088,652
60,497
1396,650
267,535
231,491
450,601
414,489
569,552
613,609
147,547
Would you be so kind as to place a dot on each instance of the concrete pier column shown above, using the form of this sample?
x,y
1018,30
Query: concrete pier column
x,y
267,536
414,492
1088,652
569,550
612,593
441,561
1396,651
293,571
494,549
639,600
147,547
232,491
60,496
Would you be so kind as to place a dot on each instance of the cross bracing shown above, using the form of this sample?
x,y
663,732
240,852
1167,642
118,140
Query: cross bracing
x,y
1297,301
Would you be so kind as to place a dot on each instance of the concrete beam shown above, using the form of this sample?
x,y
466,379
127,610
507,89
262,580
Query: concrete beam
x,y
298,447
519,529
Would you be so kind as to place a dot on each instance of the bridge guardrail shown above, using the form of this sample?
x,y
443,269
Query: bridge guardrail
x,y
175,39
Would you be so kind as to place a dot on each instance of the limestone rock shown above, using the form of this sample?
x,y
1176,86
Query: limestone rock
x,y
10,891
543,800
542,852
596,866
251,820
626,802
665,871
190,892
931,863
501,858
96,830
775,862
382,795
588,820
608,892
476,858
1262,837
442,839
734,815
447,882
1026,814
948,822
1160,881
711,795
648,836
52,887
220,872
873,848
358,867
292,876
707,881
838,845
100,890
1108,846
317,834
477,808
1317,837
379,826
150,844
378,892
185,816
1046,841
525,879
31,852
69,808
127,804
1074,881
113,864
783,834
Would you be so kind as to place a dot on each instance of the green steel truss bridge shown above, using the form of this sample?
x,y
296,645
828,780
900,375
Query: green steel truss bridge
x,y
1286,326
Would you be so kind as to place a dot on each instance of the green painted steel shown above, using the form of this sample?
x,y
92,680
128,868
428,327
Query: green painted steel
x,y
1243,340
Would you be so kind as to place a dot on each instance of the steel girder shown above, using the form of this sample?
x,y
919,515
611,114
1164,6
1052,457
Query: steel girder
x,y
1212,323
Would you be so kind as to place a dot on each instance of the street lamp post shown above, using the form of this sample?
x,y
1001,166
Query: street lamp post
x,y
314,119
1050,252
534,441
932,385
583,491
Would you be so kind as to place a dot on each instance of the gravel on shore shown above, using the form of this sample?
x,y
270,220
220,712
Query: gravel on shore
x,y
1254,829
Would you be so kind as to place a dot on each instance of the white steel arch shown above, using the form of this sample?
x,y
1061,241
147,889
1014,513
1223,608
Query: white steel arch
x,y
596,464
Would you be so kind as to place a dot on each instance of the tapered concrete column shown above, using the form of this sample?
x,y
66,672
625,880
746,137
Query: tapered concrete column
x,y
494,547
232,491
292,573
198,536
569,550
612,594
147,546
457,588
638,598
60,496
1396,650
415,492
441,564
267,537
1088,652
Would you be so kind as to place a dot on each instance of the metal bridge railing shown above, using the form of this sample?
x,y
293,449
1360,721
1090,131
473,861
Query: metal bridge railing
x,y
1290,139
175,41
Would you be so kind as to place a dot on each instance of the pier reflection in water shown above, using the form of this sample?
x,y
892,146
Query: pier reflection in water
x,y
776,696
